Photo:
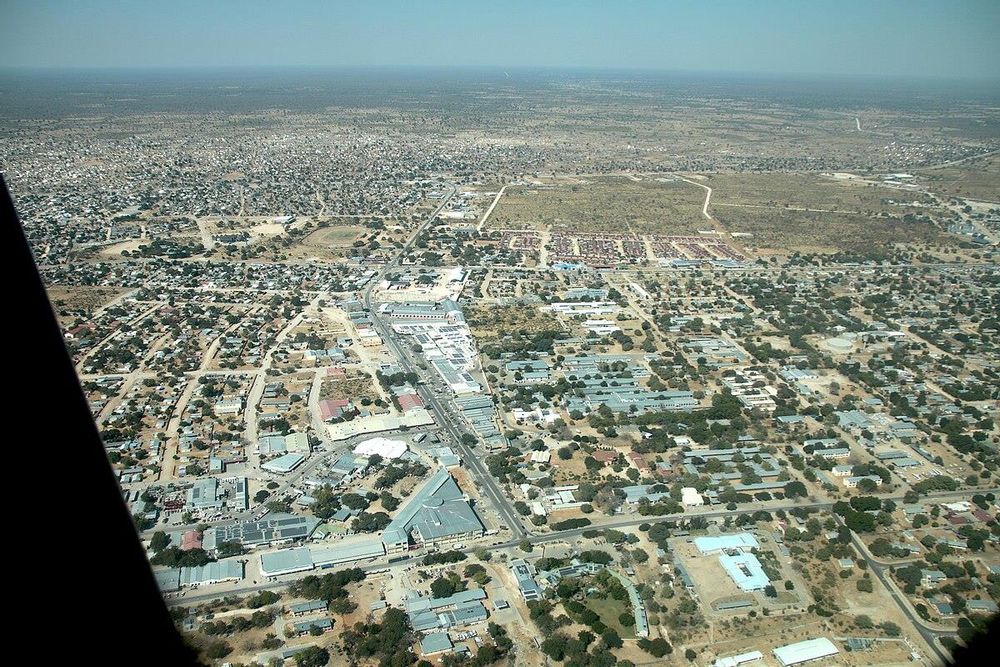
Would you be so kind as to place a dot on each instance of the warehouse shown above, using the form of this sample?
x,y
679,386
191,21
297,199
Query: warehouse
x,y
737,660
347,551
284,464
230,569
286,561
805,651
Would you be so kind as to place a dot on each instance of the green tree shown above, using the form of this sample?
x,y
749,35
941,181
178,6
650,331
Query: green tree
x,y
313,656
159,541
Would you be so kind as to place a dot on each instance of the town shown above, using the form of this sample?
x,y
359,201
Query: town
x,y
406,396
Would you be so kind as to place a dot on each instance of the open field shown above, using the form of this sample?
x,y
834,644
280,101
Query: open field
x,y
808,231
609,609
606,204
329,242
814,213
976,179
82,299
808,191
491,321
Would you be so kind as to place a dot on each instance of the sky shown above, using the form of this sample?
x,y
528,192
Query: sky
x,y
944,38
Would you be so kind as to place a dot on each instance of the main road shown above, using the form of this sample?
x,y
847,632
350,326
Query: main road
x,y
572,533
499,501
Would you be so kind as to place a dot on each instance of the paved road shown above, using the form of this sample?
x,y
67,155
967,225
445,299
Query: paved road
x,y
929,635
470,458
500,502
566,535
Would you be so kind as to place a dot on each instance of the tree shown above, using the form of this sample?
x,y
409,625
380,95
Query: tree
x,y
342,605
262,599
442,587
313,656
690,654
657,648
611,639
159,542
218,650
795,489
230,548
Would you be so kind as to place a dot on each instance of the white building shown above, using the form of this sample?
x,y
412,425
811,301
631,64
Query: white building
x,y
691,498
387,449
805,651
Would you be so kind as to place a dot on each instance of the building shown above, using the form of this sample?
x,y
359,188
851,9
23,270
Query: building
x,y
310,607
805,651
745,571
347,551
284,464
691,498
717,543
204,495
524,574
638,607
230,569
738,660
438,514
170,580
272,529
387,449
303,628
434,643
286,561
297,443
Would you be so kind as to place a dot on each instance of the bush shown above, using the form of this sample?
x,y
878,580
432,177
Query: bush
x,y
657,648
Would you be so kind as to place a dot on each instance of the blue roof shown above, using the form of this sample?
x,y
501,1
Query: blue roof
x,y
745,570
720,542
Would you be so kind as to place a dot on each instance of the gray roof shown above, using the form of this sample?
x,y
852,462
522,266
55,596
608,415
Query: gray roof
x,y
424,604
286,560
222,570
437,511
435,642
272,528
306,607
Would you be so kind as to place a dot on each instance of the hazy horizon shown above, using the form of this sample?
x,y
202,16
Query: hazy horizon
x,y
890,39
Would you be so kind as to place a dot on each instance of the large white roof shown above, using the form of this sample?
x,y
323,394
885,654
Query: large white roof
x,y
810,649
387,449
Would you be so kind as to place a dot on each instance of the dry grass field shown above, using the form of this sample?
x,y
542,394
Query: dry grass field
x,y
82,299
807,231
614,204
813,213
326,243
492,321
976,179
807,191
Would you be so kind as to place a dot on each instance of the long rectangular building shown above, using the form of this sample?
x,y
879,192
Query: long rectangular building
x,y
805,651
